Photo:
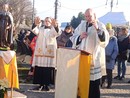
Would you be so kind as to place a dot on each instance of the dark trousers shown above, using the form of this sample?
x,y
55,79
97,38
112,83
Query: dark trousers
x,y
121,67
108,77
94,89
43,75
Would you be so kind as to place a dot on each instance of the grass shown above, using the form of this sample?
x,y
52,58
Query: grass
x,y
23,73
23,68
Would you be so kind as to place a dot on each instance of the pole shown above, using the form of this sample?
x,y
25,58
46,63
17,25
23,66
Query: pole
x,y
111,5
33,12
56,5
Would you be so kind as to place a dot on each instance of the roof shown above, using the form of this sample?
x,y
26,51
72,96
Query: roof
x,y
115,18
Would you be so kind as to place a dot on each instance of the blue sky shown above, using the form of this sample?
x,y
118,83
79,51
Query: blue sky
x,y
69,8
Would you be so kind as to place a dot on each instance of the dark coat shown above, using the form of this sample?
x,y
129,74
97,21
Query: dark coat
x,y
63,38
123,48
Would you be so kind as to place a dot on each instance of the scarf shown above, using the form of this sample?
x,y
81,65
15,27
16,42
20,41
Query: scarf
x,y
122,37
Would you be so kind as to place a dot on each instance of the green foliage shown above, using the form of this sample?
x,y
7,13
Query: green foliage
x,y
76,21
1,93
4,84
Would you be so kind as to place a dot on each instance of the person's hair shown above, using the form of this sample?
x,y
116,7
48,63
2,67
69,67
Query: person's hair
x,y
69,27
92,11
48,18
89,9
9,6
124,30
6,4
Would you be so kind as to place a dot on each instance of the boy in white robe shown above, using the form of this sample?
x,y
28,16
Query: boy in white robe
x,y
45,63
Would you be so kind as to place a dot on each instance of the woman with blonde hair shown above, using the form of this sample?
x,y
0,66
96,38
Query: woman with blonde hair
x,y
111,52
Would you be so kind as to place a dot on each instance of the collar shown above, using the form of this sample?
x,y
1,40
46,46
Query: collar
x,y
47,27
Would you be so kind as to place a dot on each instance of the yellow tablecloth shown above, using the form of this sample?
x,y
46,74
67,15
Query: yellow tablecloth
x,y
8,68
84,76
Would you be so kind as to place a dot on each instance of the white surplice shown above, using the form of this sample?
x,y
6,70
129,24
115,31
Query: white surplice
x,y
45,37
94,46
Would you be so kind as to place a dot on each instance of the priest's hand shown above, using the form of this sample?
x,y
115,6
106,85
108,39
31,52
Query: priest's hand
x,y
54,23
83,35
95,24
37,20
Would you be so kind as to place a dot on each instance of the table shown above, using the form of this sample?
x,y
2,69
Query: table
x,y
8,68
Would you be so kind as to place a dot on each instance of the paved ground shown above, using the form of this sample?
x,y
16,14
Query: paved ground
x,y
120,89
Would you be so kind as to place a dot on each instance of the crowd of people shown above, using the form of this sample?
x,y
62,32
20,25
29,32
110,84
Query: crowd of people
x,y
92,36
106,47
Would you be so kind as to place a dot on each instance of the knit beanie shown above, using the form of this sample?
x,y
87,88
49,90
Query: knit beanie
x,y
108,26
